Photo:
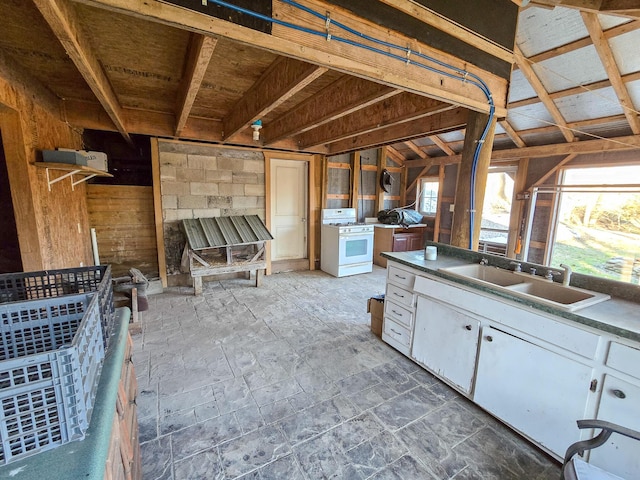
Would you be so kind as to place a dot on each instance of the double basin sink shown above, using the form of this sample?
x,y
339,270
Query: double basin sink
x,y
528,287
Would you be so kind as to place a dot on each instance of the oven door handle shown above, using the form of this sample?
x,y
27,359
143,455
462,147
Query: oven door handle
x,y
359,234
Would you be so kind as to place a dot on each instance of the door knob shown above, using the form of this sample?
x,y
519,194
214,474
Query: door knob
x,y
489,338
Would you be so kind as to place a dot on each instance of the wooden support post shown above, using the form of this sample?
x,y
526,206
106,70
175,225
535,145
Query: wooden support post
x,y
355,182
460,231
259,274
382,164
197,285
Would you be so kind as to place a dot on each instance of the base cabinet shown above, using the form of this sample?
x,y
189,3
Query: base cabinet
x,y
445,341
619,403
536,391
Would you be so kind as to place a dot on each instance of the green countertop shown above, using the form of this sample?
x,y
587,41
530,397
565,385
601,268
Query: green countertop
x,y
618,316
85,459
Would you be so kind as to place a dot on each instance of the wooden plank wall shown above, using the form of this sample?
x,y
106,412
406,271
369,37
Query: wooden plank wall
x,y
124,220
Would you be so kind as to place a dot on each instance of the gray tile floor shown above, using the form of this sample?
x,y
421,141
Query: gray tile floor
x,y
286,381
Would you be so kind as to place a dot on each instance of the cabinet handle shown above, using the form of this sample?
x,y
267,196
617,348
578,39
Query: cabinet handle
x,y
468,327
401,278
489,338
398,295
619,393
397,333
593,386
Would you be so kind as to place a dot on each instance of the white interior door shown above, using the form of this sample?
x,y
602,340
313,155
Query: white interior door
x,y
288,209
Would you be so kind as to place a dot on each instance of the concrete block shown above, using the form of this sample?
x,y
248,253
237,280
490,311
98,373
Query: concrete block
x,y
245,177
206,212
199,188
245,202
254,190
221,176
174,159
190,174
192,201
231,164
219,201
255,166
202,162
173,215
231,189
169,201
167,172
175,188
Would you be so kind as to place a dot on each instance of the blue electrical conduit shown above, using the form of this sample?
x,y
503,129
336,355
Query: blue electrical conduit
x,y
459,74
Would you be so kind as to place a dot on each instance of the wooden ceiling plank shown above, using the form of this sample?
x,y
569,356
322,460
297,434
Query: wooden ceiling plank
x,y
282,80
63,20
542,93
512,134
450,120
442,144
613,72
415,148
399,108
19,78
348,94
334,55
199,55
430,17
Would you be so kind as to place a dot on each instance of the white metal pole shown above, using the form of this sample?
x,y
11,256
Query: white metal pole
x,y
94,245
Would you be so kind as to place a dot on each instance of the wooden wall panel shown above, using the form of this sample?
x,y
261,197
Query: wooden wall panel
x,y
124,219
52,226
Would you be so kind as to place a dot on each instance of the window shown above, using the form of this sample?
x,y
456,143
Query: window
x,y
496,211
427,200
598,231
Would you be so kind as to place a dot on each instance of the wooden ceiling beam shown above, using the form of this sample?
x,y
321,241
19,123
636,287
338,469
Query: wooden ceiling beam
x,y
199,54
624,8
283,79
161,124
512,134
613,72
433,18
348,94
442,145
63,20
396,109
447,121
335,55
542,93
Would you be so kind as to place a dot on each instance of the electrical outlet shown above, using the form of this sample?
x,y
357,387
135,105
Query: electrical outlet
x,y
451,207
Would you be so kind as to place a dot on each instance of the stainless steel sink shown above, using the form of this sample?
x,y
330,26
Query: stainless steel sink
x,y
529,287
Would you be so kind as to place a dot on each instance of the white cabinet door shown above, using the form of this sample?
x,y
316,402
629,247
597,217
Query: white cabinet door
x,y
620,403
446,342
536,391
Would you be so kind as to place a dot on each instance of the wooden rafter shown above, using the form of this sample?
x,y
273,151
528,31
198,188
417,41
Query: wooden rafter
x,y
339,57
542,93
423,172
415,148
433,18
282,80
348,95
200,51
512,134
613,72
395,155
442,145
63,20
625,8
378,116
452,119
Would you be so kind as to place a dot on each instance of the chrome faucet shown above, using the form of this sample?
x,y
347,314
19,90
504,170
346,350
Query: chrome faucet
x,y
549,274
484,261
566,277
517,266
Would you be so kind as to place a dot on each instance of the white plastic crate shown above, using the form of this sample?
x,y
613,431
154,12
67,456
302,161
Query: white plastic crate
x,y
51,355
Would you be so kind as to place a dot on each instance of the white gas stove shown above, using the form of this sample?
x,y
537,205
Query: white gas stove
x,y
346,245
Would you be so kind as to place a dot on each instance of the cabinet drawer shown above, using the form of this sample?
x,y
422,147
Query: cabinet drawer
x,y
400,296
624,359
399,314
396,335
401,277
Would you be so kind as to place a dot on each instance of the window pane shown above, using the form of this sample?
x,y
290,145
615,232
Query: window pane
x,y
598,232
428,201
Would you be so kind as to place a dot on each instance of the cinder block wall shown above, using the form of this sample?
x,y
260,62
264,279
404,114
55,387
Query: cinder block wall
x,y
199,181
